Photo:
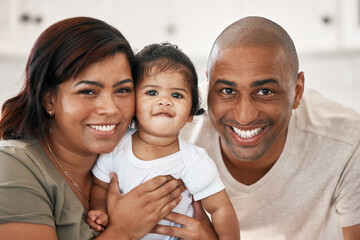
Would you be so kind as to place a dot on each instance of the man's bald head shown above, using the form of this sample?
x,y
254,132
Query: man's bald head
x,y
256,32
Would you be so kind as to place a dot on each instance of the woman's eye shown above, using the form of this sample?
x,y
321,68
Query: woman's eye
x,y
177,95
151,93
227,91
87,92
123,90
264,92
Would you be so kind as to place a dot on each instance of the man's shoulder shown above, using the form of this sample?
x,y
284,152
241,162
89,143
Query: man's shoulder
x,y
200,131
322,116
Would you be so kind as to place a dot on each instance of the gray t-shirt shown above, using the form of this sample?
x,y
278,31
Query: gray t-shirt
x,y
33,191
314,187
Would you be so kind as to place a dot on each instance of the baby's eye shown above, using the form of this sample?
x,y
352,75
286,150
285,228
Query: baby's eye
x,y
152,93
264,91
177,95
227,91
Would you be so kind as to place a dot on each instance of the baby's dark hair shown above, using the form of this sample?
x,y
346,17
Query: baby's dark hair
x,y
157,58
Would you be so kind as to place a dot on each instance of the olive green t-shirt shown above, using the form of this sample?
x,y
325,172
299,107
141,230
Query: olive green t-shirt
x,y
33,191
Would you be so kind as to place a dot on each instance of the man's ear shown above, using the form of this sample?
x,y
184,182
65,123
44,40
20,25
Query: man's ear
x,y
48,102
299,89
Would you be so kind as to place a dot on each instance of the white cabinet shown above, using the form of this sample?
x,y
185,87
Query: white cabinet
x,y
312,24
22,21
349,33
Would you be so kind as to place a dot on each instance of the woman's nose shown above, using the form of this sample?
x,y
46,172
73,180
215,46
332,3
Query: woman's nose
x,y
107,105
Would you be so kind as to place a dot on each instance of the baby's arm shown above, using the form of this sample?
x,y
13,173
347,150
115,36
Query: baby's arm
x,y
97,216
223,215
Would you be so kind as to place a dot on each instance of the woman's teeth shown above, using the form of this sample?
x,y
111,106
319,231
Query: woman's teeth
x,y
247,133
104,128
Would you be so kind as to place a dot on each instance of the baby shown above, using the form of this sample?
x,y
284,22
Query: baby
x,y
166,99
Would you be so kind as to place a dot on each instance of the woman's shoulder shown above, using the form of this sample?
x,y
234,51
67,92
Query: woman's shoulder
x,y
22,149
20,144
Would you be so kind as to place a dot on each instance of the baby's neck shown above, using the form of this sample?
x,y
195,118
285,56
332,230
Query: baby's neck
x,y
149,147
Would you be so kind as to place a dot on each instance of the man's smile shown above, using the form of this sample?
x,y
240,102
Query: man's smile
x,y
247,133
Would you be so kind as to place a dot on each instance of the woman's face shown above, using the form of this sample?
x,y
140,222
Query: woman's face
x,y
93,111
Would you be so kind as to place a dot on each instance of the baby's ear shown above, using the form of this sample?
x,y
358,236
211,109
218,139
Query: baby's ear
x,y
191,117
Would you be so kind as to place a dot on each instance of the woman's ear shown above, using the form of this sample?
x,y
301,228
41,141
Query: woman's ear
x,y
48,102
299,89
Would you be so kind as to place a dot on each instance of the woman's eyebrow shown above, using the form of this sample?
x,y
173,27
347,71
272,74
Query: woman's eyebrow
x,y
88,82
122,82
99,84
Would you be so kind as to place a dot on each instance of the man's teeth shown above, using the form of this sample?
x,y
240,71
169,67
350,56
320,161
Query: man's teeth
x,y
104,128
247,133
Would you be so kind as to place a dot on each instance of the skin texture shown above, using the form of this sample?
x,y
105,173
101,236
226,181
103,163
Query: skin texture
x,y
101,94
252,89
162,100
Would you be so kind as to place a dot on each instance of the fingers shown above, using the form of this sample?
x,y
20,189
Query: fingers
x,y
199,211
179,218
114,185
171,231
161,184
97,220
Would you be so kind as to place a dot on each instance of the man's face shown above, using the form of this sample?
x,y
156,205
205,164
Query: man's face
x,y
251,96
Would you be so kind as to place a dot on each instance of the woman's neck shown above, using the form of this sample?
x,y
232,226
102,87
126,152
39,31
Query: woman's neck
x,y
75,168
150,147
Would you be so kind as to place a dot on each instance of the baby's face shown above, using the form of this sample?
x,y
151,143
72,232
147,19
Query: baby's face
x,y
163,104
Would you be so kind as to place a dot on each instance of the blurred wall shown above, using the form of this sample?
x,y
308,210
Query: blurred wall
x,y
326,33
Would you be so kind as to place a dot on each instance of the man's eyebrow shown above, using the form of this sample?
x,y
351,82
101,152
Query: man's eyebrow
x,y
258,83
226,82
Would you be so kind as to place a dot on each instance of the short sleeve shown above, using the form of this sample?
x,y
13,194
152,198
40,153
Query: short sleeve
x,y
347,203
200,174
23,197
103,167
109,162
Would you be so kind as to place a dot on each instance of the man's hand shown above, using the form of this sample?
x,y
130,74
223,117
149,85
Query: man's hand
x,y
197,228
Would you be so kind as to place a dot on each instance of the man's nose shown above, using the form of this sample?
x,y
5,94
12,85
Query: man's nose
x,y
246,110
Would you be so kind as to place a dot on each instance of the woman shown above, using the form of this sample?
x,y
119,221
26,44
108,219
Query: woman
x,y
77,102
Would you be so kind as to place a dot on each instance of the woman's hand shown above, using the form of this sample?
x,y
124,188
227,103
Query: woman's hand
x,y
133,215
197,228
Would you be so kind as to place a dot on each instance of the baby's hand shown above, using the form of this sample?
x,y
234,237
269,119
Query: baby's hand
x,y
97,220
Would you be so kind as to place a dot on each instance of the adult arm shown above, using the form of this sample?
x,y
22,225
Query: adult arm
x,y
197,228
28,231
351,233
134,214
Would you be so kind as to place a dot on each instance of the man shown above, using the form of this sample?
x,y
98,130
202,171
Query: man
x,y
290,163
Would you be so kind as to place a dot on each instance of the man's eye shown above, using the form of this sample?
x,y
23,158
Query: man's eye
x,y
227,91
151,93
177,95
264,92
